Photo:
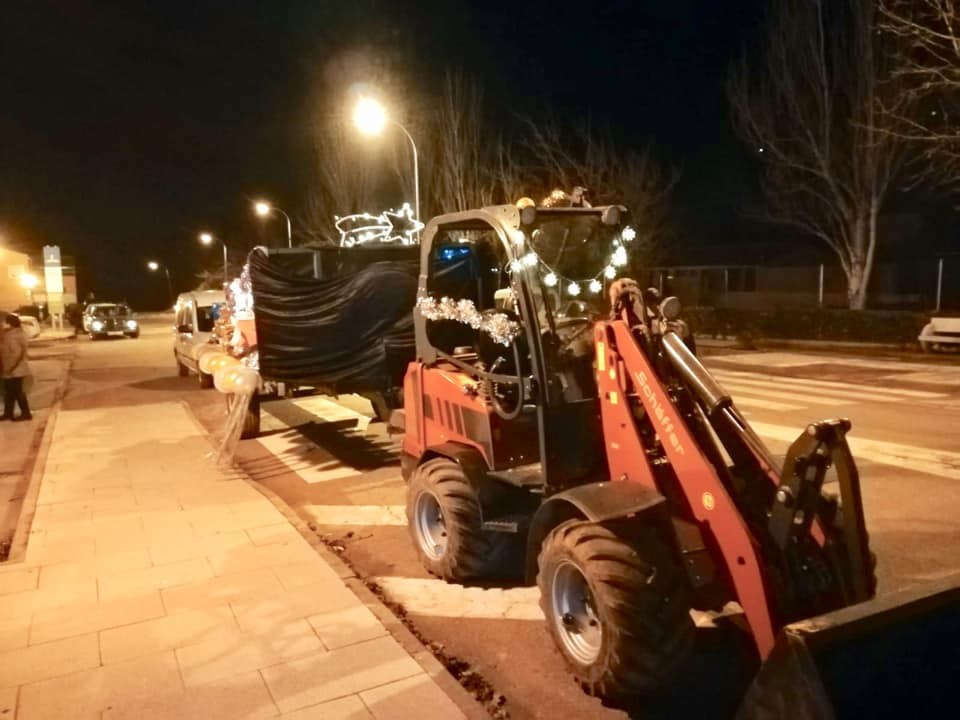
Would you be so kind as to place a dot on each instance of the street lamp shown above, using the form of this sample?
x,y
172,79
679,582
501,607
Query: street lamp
x,y
263,209
370,117
208,239
29,282
153,266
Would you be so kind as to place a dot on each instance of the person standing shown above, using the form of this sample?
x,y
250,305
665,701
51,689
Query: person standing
x,y
13,359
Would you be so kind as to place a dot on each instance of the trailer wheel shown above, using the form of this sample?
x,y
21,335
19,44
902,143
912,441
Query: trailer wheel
x,y
616,610
445,522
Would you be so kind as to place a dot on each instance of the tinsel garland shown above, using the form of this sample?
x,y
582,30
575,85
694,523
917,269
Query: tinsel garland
x,y
498,326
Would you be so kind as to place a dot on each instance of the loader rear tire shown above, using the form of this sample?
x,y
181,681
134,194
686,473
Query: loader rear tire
x,y
617,610
445,521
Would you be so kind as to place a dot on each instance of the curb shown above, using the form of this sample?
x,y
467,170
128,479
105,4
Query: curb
x,y
37,467
416,649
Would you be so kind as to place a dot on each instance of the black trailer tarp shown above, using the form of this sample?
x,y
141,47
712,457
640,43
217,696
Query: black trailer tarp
x,y
352,332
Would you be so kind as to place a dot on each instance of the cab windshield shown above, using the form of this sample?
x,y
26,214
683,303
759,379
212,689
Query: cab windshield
x,y
573,252
111,311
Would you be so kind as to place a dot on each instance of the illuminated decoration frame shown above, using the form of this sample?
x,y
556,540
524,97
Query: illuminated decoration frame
x,y
497,325
574,287
391,226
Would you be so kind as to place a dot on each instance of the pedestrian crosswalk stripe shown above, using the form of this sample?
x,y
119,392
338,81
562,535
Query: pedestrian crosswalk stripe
x,y
357,514
437,598
943,463
872,392
808,398
302,456
761,404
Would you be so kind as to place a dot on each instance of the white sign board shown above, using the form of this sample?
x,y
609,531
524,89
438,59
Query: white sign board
x,y
52,269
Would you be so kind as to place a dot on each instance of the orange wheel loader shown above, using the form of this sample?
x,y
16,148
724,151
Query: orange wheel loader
x,y
556,418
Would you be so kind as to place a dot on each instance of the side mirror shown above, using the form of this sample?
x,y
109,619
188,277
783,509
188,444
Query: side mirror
x,y
184,329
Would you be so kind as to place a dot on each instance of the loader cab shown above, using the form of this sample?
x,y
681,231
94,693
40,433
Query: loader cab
x,y
507,301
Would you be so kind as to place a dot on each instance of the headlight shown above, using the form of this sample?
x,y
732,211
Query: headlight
x,y
97,325
131,324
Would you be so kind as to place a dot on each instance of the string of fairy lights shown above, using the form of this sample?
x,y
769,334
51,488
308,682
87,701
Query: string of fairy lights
x,y
574,287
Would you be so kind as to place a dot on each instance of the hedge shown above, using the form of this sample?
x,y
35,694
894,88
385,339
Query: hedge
x,y
879,326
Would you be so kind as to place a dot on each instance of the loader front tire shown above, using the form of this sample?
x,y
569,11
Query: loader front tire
x,y
617,610
445,521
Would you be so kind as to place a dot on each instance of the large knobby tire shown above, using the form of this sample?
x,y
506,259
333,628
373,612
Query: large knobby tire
x,y
206,381
182,370
617,610
444,518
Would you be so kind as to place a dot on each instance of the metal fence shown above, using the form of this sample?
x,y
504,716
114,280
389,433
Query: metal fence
x,y
927,284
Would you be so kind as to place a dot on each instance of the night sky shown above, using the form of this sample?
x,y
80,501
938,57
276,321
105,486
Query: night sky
x,y
128,127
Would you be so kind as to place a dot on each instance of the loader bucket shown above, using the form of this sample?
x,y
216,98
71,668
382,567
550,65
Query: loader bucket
x,y
897,655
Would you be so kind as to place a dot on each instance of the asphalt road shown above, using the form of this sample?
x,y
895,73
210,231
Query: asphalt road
x,y
341,473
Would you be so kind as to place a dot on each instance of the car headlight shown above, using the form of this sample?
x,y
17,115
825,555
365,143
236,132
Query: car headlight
x,y
131,324
97,325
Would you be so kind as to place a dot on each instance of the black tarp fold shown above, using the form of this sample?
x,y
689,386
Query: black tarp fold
x,y
351,333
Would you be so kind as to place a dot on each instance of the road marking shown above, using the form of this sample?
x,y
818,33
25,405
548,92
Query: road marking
x,y
946,376
747,401
866,392
437,598
783,394
357,514
942,463
900,371
302,456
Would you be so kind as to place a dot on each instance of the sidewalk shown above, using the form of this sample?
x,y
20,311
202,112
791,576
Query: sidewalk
x,y
158,586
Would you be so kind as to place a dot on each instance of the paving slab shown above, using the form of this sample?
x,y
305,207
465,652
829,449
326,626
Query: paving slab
x,y
156,584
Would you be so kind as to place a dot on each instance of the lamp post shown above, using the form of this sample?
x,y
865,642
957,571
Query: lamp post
x,y
263,209
370,116
153,266
208,239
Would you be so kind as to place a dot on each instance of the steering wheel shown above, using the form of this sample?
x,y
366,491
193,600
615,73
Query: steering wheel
x,y
505,397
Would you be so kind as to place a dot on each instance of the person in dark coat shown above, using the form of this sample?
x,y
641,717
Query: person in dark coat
x,y
13,360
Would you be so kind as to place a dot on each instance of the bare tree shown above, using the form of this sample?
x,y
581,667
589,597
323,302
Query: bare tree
x,y
811,110
344,179
565,157
926,37
468,166
348,169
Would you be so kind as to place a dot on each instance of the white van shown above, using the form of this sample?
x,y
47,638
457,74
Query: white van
x,y
196,312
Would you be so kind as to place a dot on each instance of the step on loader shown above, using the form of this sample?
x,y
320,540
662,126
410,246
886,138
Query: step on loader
x,y
557,418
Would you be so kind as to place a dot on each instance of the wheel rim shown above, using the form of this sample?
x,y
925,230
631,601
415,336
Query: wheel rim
x,y
431,529
575,615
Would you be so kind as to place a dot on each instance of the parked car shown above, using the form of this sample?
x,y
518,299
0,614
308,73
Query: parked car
x,y
196,313
101,320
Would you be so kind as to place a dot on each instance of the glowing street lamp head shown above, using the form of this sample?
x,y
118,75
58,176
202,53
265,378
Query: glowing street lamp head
x,y
206,238
262,208
369,116
29,281
153,265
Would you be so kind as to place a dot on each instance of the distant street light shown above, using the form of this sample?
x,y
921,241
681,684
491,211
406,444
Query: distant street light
x,y
264,209
370,117
153,266
29,282
208,239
